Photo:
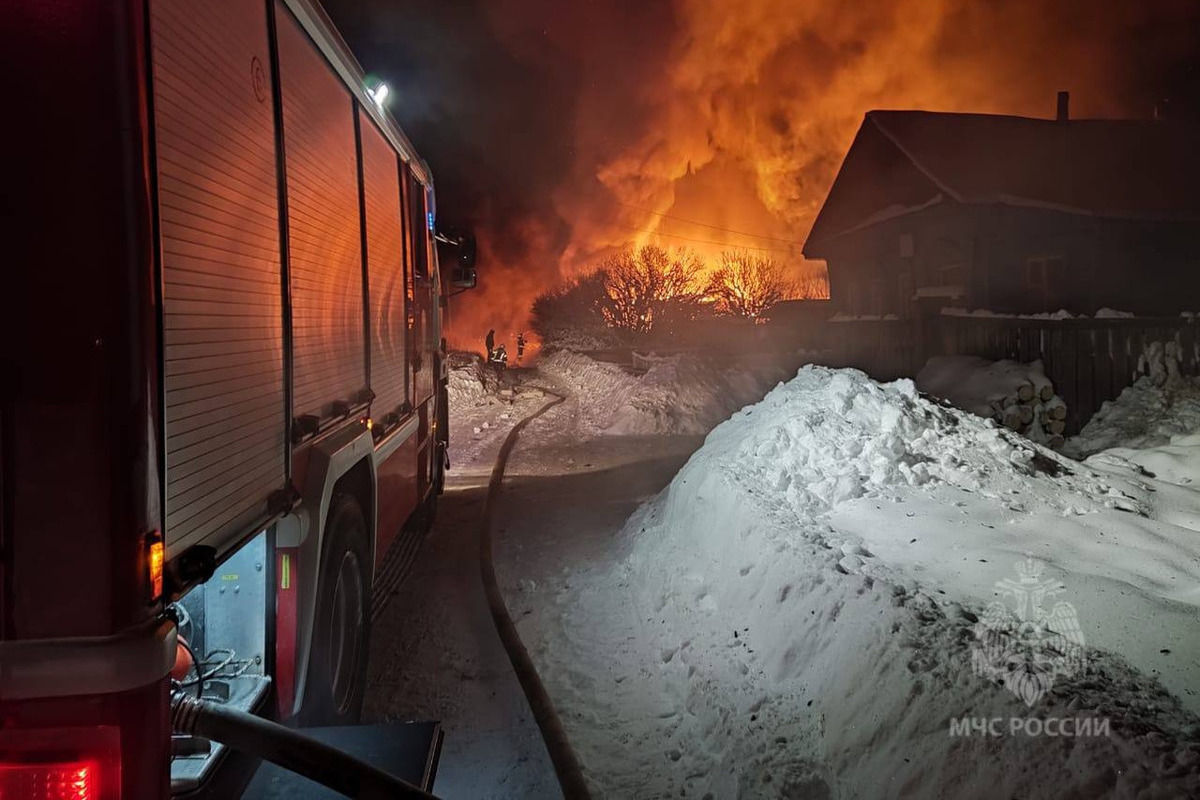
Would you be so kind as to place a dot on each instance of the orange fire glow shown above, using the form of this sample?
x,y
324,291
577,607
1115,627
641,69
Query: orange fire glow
x,y
743,130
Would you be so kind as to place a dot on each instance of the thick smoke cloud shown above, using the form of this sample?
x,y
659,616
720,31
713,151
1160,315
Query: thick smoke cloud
x,y
563,129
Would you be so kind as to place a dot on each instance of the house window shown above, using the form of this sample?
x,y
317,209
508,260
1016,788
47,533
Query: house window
x,y
1044,280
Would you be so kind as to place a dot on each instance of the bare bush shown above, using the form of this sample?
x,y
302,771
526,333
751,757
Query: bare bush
x,y
651,288
747,285
572,315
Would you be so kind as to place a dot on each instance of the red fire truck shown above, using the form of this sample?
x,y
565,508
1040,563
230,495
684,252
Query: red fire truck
x,y
223,423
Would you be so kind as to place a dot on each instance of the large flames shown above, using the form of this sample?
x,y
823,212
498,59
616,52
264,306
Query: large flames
x,y
728,129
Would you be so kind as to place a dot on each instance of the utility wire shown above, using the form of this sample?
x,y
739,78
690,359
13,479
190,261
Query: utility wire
x,y
707,225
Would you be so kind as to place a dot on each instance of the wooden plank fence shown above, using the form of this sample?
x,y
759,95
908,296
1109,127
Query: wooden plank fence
x,y
1089,360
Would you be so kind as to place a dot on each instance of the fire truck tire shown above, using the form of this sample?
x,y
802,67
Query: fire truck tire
x,y
337,662
443,438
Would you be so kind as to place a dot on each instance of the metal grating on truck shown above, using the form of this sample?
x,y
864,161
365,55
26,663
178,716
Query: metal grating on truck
x,y
219,229
324,242
385,267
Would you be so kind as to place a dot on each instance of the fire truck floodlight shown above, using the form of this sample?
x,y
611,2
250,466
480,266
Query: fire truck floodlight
x,y
379,94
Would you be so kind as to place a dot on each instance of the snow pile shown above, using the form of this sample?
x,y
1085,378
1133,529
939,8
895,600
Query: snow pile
x,y
465,382
796,612
1143,415
485,403
677,395
833,435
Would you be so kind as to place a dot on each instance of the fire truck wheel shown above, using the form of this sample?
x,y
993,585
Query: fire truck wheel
x,y
443,420
337,663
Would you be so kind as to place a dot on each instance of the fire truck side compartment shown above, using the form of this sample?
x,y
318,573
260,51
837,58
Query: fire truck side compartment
x,y
222,285
324,241
385,269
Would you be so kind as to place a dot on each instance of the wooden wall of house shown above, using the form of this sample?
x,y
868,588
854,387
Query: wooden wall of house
x,y
937,237
1143,267
1138,266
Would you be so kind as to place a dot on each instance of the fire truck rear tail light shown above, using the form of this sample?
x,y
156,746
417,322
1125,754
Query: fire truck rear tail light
x,y
81,763
68,780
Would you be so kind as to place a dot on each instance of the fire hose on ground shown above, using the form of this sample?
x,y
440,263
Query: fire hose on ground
x,y
566,765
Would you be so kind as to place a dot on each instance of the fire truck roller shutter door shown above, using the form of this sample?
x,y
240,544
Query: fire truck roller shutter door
x,y
385,268
324,243
221,281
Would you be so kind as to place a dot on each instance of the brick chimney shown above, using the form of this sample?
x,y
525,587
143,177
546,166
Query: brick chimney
x,y
1064,107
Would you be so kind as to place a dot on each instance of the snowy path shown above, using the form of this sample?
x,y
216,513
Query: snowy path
x,y
436,655
560,531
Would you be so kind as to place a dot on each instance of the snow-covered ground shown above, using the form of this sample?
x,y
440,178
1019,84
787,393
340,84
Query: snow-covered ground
x,y
797,613
680,395
816,603
435,654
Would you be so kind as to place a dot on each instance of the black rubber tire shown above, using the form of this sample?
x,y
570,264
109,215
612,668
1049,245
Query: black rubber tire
x,y
443,439
335,687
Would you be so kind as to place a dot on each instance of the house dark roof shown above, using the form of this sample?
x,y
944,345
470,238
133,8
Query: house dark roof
x,y
901,161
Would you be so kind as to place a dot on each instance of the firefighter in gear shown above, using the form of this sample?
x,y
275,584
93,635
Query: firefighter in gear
x,y
500,357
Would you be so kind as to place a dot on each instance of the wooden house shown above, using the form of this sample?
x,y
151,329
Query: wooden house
x,y
1014,215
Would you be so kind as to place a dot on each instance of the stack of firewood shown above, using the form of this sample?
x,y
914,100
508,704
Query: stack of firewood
x,y
1034,411
1018,396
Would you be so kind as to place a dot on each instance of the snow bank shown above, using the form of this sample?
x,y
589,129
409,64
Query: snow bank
x,y
485,404
797,612
1143,415
677,395
465,381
